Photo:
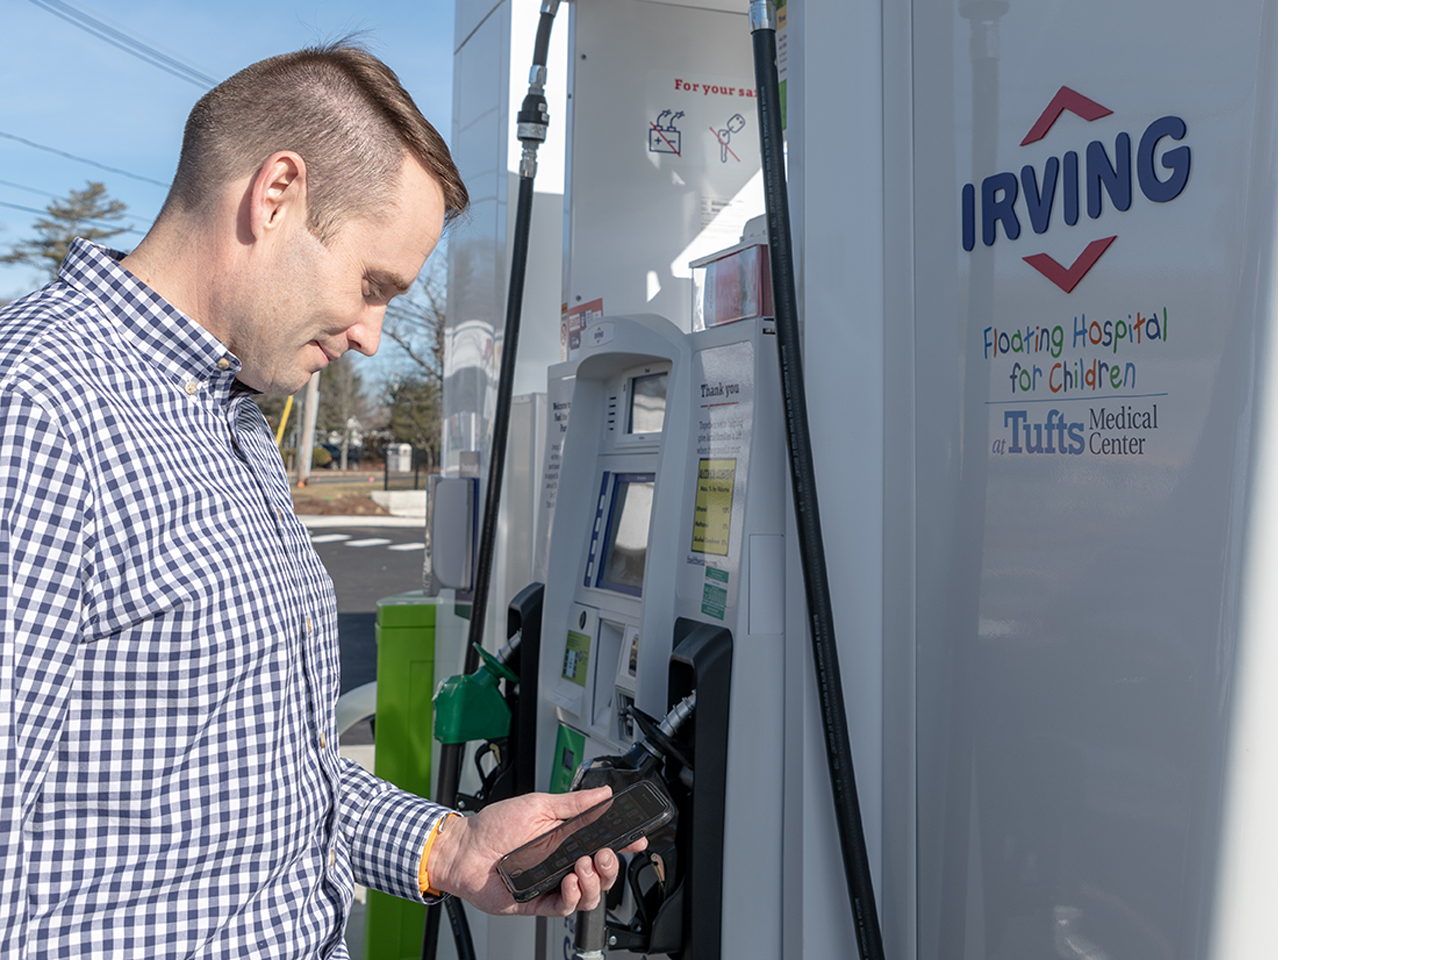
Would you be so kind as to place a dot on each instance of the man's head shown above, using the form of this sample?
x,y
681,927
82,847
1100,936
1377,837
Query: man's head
x,y
310,191
340,109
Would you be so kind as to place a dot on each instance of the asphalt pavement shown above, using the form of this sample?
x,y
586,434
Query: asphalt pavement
x,y
368,558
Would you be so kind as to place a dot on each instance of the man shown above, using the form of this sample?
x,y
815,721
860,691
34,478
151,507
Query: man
x,y
169,784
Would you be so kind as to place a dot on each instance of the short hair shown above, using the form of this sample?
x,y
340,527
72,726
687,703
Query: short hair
x,y
338,107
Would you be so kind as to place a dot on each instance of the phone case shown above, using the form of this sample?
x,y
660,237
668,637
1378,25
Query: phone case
x,y
526,894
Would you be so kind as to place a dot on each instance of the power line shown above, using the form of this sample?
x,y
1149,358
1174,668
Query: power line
x,y
21,186
123,41
56,196
47,213
71,156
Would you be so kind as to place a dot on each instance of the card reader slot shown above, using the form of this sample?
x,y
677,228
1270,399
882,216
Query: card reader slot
x,y
602,702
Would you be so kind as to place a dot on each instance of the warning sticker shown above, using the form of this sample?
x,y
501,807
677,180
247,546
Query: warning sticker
x,y
714,497
577,657
712,604
574,320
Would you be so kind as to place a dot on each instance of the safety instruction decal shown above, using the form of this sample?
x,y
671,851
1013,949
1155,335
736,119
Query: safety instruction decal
x,y
725,385
712,604
714,497
704,121
577,657
574,320
569,751
667,138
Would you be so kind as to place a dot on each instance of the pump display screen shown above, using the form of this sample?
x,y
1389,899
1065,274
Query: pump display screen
x,y
647,403
627,532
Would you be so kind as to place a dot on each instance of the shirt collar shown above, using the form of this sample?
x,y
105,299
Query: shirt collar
x,y
172,340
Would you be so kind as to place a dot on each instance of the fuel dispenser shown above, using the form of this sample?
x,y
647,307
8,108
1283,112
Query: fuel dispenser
x,y
1057,764
665,598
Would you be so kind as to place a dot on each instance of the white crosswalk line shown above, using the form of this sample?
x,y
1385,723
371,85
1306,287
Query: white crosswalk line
x,y
330,537
407,546
371,542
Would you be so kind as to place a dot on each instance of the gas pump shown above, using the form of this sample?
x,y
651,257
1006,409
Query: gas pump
x,y
665,582
665,599
1054,753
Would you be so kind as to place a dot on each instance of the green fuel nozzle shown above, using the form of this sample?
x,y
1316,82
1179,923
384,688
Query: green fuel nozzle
x,y
470,706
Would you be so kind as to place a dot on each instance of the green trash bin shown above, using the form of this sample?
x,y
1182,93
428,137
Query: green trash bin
x,y
405,683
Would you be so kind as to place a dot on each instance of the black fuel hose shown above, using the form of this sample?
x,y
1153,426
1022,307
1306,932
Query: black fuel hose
x,y
531,125
802,475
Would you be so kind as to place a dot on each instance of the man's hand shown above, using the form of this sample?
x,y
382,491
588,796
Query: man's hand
x,y
462,860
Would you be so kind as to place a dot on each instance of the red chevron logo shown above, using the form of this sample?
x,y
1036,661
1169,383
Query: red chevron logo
x,y
1067,277
1065,99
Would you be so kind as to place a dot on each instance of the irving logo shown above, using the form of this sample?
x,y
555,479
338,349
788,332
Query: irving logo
x,y
1106,173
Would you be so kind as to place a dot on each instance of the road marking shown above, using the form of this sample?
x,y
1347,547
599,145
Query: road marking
x,y
330,537
371,542
407,546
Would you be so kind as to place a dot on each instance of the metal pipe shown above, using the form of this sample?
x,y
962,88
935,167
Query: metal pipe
x,y
802,474
590,935
531,124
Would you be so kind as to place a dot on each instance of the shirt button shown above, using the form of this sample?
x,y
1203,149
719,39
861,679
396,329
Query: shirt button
x,y
307,624
332,856
191,387
323,741
224,363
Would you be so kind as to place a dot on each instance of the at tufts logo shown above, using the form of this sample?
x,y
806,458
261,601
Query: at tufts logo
x,y
1105,173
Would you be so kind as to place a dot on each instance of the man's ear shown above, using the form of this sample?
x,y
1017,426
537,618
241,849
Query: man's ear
x,y
277,194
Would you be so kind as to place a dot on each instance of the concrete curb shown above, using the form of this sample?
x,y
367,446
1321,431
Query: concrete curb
x,y
317,521
401,503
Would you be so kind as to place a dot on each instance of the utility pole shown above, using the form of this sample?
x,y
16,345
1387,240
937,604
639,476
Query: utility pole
x,y
307,432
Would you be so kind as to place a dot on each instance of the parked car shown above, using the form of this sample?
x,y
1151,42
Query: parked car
x,y
334,450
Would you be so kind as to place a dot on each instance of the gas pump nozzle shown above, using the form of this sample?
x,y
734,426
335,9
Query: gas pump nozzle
x,y
657,924
644,759
470,706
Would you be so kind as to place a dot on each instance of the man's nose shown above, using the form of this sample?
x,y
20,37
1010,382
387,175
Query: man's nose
x,y
364,335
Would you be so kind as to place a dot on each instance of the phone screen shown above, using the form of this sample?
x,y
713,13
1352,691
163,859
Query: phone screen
x,y
617,822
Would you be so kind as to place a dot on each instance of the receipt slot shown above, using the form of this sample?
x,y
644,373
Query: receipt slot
x,y
667,576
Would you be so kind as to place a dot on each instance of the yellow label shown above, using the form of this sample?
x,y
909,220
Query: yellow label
x,y
714,496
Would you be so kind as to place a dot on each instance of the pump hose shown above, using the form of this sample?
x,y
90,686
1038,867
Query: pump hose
x,y
802,474
531,126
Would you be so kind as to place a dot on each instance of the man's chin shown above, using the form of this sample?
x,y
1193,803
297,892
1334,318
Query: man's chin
x,y
290,387
280,387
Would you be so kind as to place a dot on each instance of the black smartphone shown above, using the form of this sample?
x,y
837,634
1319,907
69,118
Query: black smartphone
x,y
540,865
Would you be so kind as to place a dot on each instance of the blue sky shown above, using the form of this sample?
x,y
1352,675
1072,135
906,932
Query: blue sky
x,y
68,90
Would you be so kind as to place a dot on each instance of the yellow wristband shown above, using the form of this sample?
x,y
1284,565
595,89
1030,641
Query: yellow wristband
x,y
425,854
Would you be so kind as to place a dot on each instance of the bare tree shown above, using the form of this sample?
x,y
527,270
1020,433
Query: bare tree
x,y
343,403
413,397
416,321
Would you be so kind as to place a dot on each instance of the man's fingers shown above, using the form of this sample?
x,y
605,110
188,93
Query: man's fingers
x,y
607,865
581,889
589,883
561,903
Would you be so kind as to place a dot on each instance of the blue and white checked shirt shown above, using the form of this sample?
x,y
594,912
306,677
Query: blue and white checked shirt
x,y
169,785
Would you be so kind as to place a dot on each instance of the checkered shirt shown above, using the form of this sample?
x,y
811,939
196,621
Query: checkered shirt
x,y
169,784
